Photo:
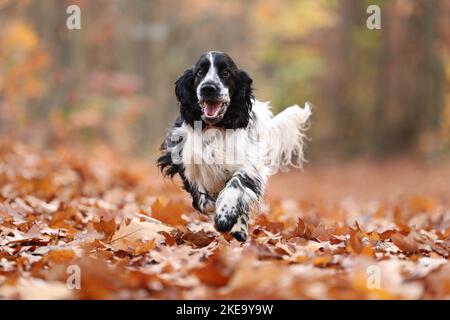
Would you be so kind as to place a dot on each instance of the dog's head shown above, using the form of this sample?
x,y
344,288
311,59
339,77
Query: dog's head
x,y
216,92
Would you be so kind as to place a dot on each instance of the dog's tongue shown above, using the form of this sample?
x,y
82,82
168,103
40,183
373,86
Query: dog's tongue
x,y
212,108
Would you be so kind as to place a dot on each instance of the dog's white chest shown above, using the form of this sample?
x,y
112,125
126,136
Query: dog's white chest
x,y
211,157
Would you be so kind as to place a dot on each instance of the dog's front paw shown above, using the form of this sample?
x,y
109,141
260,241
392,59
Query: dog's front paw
x,y
229,219
226,217
240,229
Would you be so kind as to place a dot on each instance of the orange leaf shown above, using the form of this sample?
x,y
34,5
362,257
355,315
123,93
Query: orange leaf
x,y
169,213
355,241
274,227
61,256
107,227
405,243
145,247
322,261
303,230
198,239
215,272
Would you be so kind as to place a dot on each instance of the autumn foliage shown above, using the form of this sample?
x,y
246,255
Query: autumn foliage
x,y
82,113
134,235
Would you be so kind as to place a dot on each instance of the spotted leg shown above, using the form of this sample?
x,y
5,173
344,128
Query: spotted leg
x,y
234,202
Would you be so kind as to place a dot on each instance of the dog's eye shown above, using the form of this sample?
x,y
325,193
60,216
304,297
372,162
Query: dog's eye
x,y
200,73
225,73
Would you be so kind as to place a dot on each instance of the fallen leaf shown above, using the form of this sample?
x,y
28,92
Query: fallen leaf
x,y
131,235
405,243
214,272
170,213
198,239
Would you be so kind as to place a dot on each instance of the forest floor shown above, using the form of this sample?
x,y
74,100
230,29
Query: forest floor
x,y
75,225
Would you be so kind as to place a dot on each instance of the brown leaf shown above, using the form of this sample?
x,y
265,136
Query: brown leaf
x,y
215,272
321,233
355,241
303,230
169,213
61,256
170,239
145,247
405,243
387,234
108,227
198,239
131,235
263,221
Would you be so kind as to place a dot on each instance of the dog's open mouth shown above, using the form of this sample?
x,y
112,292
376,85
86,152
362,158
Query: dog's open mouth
x,y
213,110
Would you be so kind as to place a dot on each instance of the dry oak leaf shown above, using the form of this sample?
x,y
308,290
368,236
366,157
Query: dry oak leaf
x,y
303,230
199,239
215,272
108,227
357,245
322,234
405,243
274,227
145,247
137,232
169,213
61,256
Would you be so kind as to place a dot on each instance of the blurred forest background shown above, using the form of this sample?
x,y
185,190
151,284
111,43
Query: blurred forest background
x,y
82,114
376,92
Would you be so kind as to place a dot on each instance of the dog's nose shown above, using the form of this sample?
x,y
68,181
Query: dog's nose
x,y
208,89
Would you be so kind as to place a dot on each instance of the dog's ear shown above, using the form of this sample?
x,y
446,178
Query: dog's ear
x,y
187,97
239,111
245,89
184,87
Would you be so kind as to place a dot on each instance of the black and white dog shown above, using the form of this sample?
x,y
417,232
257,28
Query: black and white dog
x,y
225,144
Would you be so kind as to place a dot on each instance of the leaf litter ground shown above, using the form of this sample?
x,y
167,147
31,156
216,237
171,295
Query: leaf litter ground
x,y
132,235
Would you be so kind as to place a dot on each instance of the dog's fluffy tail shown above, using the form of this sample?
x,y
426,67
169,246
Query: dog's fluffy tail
x,y
287,137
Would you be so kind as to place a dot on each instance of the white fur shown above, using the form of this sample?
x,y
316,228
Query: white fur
x,y
265,146
286,135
